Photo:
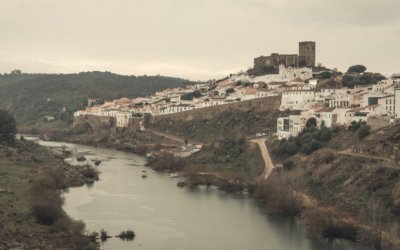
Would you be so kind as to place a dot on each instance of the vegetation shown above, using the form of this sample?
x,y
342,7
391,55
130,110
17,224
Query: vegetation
x,y
363,132
308,141
361,128
104,235
191,95
324,75
267,69
357,69
366,78
127,235
166,162
31,214
338,194
31,97
8,128
234,124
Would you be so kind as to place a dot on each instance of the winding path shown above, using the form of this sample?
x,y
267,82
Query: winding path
x,y
348,152
269,166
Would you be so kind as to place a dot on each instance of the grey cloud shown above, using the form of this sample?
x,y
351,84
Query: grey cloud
x,y
193,38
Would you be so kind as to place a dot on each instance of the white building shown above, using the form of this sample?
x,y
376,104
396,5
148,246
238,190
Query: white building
x,y
297,100
122,118
397,103
387,102
290,126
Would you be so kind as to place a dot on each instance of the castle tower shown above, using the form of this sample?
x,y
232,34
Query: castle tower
x,y
307,54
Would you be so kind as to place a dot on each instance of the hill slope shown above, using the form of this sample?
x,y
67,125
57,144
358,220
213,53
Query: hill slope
x,y
30,97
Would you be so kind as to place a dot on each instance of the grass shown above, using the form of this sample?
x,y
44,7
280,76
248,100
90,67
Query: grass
x,y
14,199
19,224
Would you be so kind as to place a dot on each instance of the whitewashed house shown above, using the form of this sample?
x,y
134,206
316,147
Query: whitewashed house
x,y
297,100
122,118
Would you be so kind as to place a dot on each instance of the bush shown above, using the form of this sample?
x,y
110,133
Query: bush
x,y
288,165
127,235
324,156
308,141
46,212
103,235
90,173
166,162
8,128
363,132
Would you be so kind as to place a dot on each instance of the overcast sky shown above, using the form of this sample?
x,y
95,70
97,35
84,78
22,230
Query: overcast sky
x,y
193,39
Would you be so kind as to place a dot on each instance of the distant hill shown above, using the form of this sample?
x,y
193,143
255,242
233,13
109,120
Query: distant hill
x,y
31,97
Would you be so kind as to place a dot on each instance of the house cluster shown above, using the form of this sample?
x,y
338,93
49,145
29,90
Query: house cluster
x,y
236,88
339,106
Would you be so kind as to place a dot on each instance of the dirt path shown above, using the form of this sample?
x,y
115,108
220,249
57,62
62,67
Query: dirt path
x,y
269,166
168,136
350,153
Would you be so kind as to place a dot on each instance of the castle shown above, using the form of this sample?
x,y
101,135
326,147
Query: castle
x,y
305,58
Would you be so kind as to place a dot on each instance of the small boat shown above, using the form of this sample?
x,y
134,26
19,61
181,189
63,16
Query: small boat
x,y
144,175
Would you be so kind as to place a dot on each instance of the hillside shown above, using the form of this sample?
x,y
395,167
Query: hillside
x,y
31,97
352,181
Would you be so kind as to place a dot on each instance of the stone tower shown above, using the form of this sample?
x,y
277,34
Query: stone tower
x,y
307,54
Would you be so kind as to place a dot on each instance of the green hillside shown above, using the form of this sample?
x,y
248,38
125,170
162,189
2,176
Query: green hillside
x,y
30,97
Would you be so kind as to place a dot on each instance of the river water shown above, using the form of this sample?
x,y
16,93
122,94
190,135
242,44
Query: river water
x,y
164,216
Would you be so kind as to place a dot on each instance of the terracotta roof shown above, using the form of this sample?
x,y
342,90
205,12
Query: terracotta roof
x,y
297,79
324,109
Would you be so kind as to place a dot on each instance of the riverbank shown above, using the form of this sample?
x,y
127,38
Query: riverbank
x,y
232,165
166,217
32,179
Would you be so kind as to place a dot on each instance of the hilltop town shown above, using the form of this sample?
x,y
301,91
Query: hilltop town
x,y
316,91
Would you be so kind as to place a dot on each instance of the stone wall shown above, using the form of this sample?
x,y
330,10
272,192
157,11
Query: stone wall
x,y
96,122
261,104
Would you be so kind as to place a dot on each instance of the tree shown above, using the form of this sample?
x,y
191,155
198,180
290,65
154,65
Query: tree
x,y
325,75
16,72
311,122
8,127
357,69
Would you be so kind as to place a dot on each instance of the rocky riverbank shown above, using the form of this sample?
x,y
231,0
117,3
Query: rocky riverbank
x,y
32,179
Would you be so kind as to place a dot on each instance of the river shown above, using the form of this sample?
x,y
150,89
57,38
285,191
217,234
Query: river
x,y
164,216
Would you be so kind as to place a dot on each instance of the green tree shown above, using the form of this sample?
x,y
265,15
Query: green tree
x,y
357,69
311,122
8,127
325,75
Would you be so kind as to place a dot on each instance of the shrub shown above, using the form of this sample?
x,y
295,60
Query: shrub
x,y
103,235
127,235
324,156
308,141
363,132
42,184
46,213
288,165
8,127
90,173
341,231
